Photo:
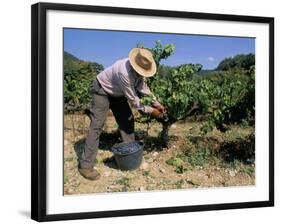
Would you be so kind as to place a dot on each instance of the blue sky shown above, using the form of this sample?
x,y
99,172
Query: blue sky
x,y
106,47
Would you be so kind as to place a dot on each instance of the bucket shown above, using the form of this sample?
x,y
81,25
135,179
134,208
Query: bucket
x,y
128,156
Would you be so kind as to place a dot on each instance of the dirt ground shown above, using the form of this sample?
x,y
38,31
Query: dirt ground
x,y
155,173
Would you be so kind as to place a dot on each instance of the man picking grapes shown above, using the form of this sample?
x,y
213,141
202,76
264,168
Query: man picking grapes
x,y
114,87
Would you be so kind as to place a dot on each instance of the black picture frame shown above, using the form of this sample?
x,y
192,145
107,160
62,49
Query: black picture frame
x,y
39,114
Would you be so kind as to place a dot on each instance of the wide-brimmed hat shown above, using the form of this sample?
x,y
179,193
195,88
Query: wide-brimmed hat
x,y
142,61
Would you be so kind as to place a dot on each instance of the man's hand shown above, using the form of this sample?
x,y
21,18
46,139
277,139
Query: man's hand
x,y
160,107
156,113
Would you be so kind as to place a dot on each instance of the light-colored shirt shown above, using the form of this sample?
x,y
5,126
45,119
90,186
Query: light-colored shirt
x,y
121,79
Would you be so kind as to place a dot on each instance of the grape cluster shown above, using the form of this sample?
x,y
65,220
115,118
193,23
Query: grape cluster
x,y
126,148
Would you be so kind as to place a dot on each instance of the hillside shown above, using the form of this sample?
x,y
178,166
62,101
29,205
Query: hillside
x,y
68,57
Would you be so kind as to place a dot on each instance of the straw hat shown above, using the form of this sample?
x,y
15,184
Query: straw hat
x,y
142,61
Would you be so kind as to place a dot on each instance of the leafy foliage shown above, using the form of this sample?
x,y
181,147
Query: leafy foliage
x,y
228,98
78,76
178,163
224,97
175,91
172,87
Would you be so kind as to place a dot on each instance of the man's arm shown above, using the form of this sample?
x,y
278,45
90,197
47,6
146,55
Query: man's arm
x,y
130,93
143,89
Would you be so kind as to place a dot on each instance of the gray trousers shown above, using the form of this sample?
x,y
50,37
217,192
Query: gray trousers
x,y
101,103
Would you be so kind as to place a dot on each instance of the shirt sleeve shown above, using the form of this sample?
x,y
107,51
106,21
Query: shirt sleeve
x,y
130,93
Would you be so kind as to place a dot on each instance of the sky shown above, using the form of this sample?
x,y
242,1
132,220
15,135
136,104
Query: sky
x,y
105,47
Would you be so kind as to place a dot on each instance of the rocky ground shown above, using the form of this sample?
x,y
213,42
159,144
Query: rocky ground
x,y
161,169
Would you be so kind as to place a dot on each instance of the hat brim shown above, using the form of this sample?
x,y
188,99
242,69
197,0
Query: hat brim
x,y
143,72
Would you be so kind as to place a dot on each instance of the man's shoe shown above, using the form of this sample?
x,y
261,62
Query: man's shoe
x,y
89,173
